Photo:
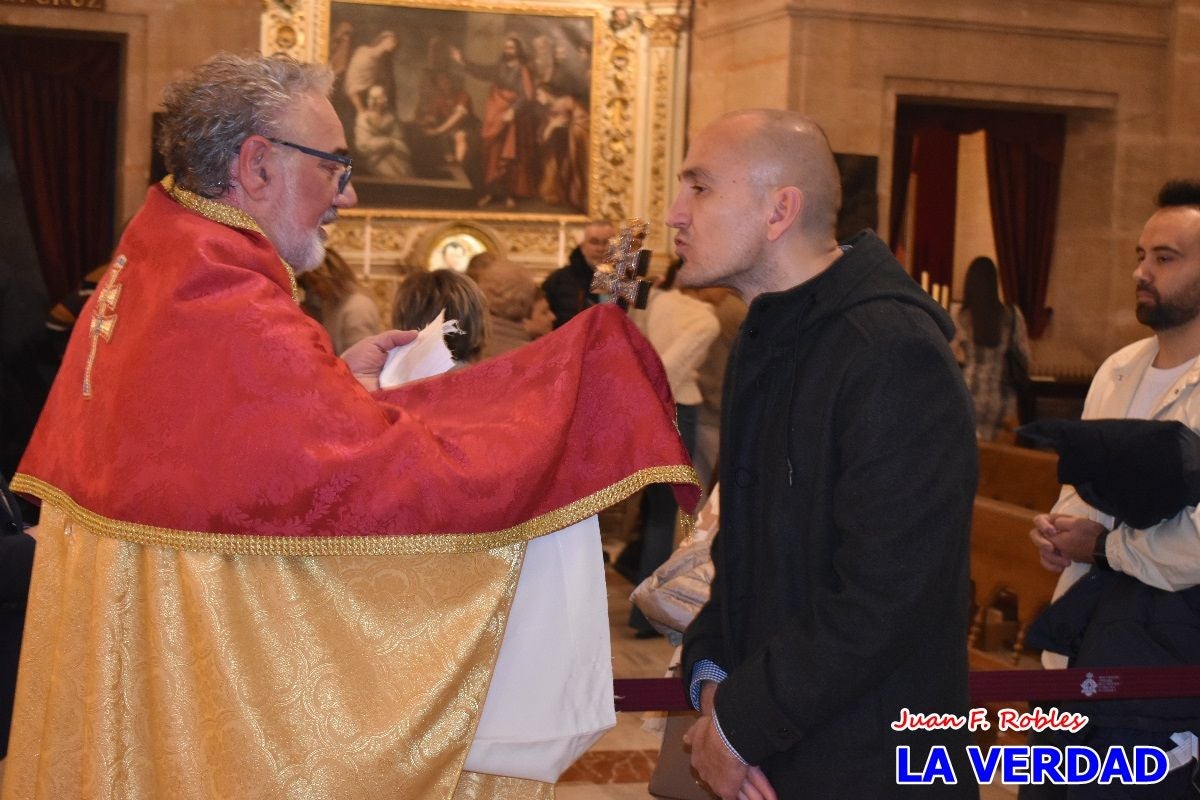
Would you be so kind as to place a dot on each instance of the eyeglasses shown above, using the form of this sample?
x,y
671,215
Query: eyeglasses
x,y
337,158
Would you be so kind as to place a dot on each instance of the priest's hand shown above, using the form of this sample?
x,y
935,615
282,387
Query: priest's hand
x,y
365,358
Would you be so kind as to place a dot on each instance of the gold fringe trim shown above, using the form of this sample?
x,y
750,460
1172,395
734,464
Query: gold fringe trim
x,y
382,544
482,786
226,215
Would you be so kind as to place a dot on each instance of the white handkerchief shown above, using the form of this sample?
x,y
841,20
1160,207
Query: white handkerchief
x,y
423,357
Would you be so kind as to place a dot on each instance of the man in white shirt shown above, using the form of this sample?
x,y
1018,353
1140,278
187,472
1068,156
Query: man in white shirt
x,y
1155,378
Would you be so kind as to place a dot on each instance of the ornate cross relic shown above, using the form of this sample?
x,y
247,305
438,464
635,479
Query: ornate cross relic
x,y
104,318
621,275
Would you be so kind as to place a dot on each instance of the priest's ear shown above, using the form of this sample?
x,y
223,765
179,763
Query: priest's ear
x,y
252,168
786,205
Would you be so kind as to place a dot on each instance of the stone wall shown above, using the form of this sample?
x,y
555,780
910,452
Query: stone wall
x,y
1121,71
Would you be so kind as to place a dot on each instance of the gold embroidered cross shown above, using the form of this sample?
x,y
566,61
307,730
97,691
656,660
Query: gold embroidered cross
x,y
104,318
621,275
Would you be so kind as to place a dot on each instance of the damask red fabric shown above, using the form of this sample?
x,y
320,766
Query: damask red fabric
x,y
219,407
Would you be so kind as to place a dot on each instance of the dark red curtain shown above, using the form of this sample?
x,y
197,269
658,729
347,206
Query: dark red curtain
x,y
935,163
58,100
1024,154
1024,161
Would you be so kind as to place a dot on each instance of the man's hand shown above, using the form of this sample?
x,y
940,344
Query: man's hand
x,y
717,767
365,358
1075,537
1042,535
1061,539
756,786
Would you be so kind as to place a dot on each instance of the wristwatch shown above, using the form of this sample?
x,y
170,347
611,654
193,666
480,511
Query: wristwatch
x,y
1100,554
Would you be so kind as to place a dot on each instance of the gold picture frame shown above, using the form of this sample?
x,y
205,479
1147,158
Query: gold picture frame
x,y
446,121
452,246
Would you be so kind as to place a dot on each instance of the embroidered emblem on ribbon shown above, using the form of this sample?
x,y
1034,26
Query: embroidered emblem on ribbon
x,y
104,318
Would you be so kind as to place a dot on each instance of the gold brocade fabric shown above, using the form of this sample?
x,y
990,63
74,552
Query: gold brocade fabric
x,y
232,676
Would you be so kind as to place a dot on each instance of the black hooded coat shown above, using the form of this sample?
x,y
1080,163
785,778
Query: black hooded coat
x,y
848,471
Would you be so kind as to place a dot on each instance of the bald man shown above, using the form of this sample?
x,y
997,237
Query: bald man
x,y
848,468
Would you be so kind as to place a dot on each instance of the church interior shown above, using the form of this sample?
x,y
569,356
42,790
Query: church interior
x,y
1087,105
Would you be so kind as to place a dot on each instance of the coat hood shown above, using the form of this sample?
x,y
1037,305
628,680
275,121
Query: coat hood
x,y
873,275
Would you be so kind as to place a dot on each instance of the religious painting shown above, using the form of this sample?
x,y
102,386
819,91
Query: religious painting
x,y
476,112
454,248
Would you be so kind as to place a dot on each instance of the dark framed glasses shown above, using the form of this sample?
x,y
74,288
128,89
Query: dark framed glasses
x,y
337,158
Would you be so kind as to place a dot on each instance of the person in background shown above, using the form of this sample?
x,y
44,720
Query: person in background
x,y
336,298
681,328
480,262
569,288
710,377
510,294
986,329
16,567
541,319
1129,594
421,296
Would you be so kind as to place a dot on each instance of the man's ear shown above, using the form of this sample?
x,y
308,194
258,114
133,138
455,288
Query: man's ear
x,y
787,202
252,168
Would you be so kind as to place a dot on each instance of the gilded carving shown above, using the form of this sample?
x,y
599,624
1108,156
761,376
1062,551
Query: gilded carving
x,y
283,27
659,180
345,237
397,236
617,95
664,29
529,241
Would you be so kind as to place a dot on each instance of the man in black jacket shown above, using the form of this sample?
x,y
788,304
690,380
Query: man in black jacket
x,y
569,288
848,470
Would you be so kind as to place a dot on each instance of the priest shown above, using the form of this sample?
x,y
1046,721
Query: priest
x,y
258,574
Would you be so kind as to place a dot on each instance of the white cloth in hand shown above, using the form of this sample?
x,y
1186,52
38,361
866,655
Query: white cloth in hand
x,y
423,357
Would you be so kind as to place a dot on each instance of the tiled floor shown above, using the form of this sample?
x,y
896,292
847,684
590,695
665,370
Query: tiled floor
x,y
619,765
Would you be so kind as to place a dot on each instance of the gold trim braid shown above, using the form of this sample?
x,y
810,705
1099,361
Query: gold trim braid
x,y
481,786
383,544
226,215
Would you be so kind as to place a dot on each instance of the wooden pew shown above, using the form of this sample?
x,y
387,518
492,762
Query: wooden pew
x,y
1018,475
1004,560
